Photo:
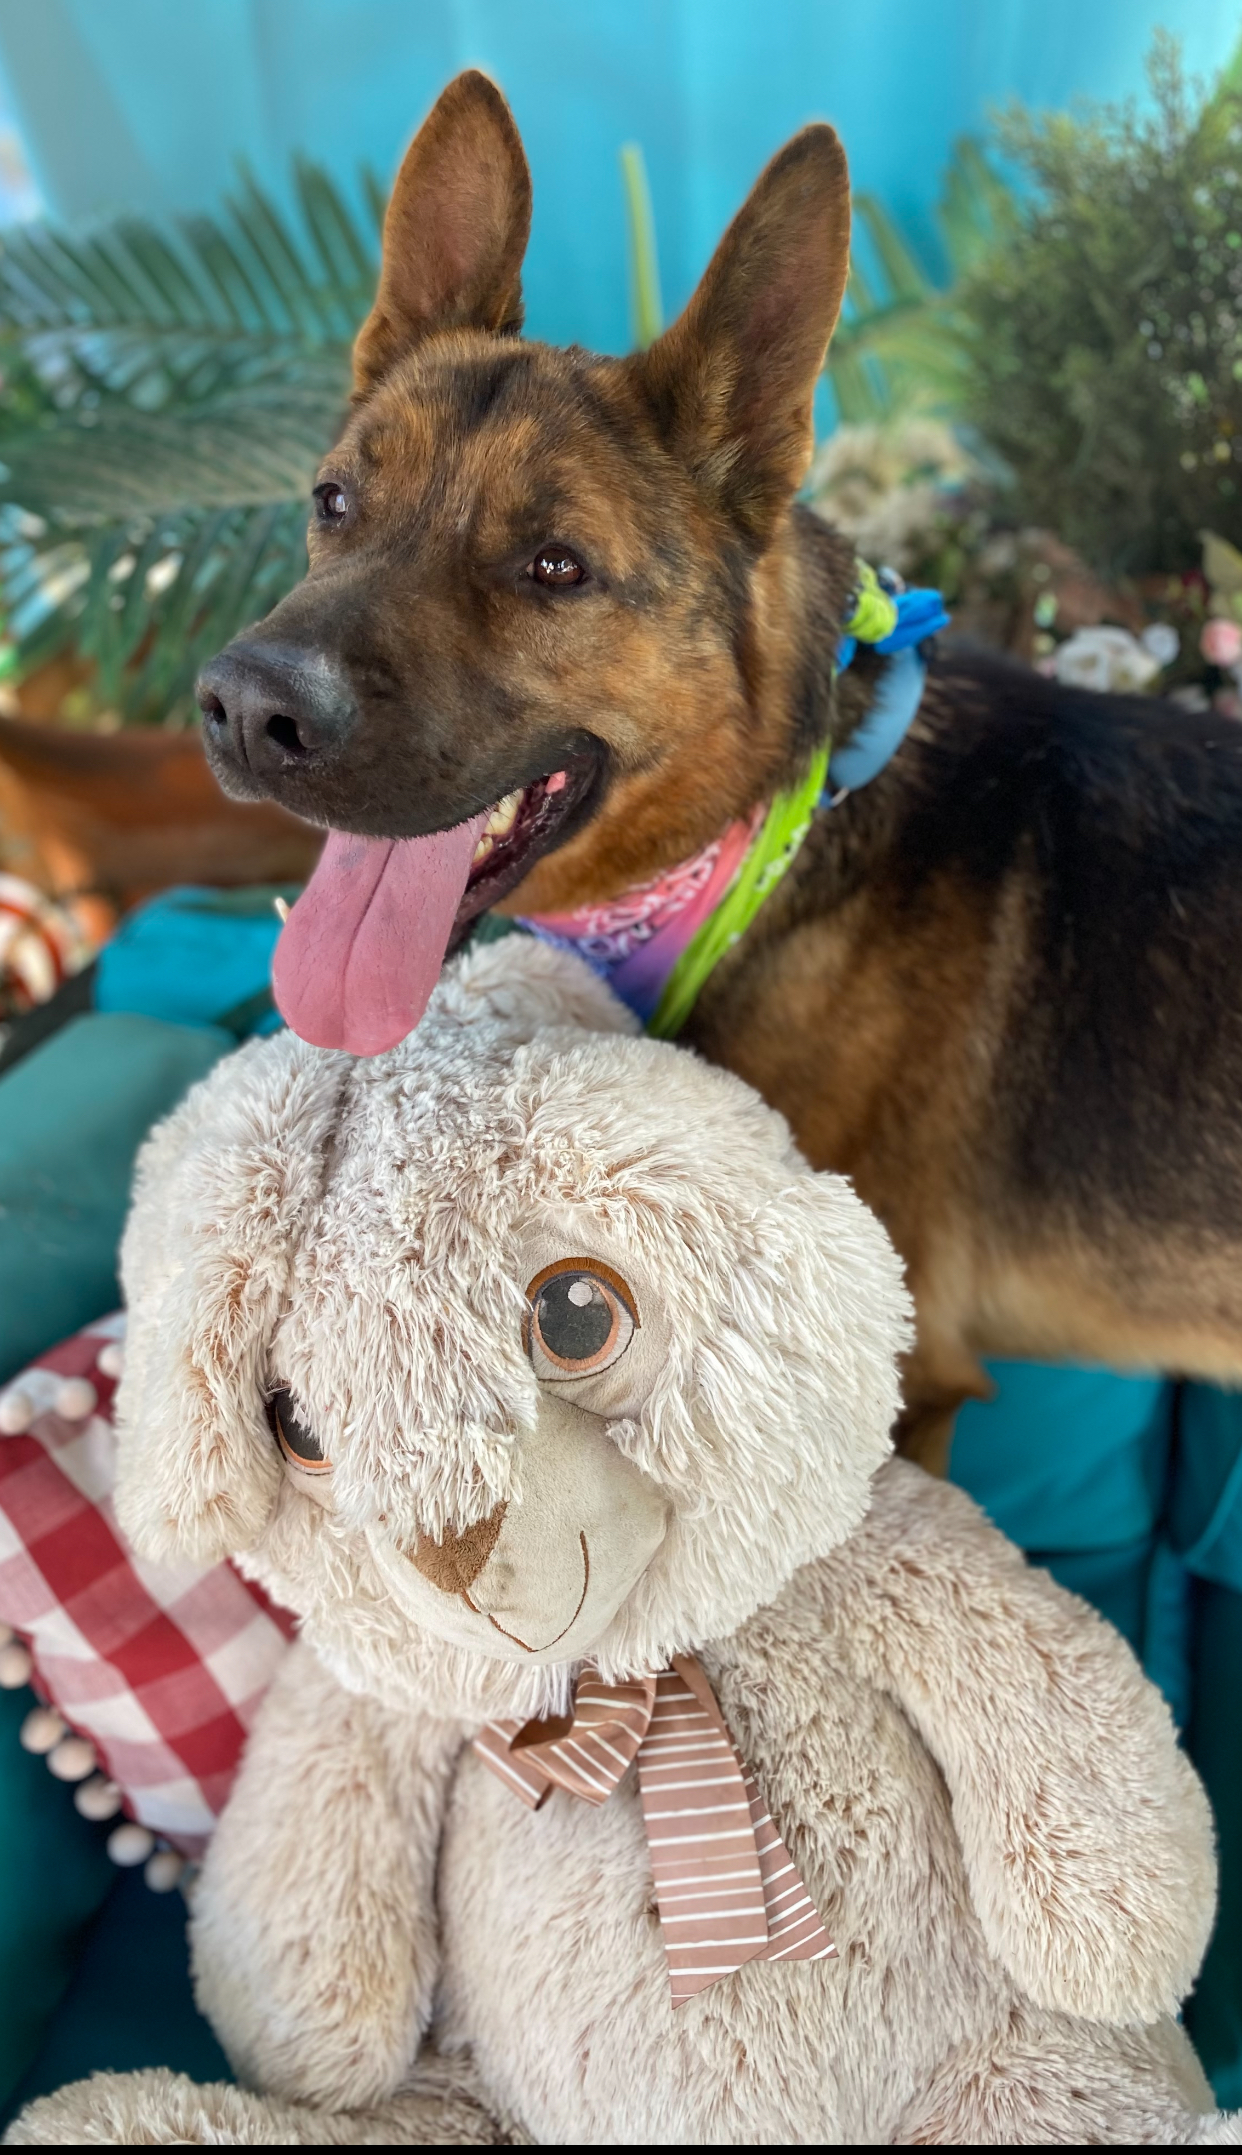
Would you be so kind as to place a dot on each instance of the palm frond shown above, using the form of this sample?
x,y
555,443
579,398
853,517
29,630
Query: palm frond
x,y
113,460
646,303
978,207
167,392
167,396
880,300
898,345
906,281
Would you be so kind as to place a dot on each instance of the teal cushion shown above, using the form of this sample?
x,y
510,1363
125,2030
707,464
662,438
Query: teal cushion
x,y
73,1113
1214,2013
196,956
1067,1458
130,2002
1115,1581
72,1116
1205,1508
54,1875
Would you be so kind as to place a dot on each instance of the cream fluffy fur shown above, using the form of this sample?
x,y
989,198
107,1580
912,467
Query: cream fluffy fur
x,y
981,1790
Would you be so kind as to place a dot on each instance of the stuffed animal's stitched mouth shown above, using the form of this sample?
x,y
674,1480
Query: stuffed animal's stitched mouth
x,y
546,1644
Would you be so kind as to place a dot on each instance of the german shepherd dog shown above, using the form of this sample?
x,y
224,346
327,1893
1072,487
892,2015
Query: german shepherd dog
x,y
564,621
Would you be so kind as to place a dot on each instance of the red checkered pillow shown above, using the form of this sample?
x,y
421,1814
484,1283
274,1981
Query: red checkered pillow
x,y
161,1667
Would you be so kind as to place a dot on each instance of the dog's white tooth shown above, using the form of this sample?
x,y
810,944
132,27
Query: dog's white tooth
x,y
482,850
504,815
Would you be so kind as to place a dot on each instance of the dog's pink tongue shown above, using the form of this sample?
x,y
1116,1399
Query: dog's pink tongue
x,y
362,949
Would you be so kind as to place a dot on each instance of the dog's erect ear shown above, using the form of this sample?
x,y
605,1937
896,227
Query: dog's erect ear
x,y
455,232
732,381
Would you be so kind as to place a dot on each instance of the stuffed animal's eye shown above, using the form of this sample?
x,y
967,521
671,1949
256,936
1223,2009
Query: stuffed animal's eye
x,y
299,1444
581,1318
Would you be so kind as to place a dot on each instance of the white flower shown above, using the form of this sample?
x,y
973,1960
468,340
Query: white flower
x,y
1103,658
887,487
1162,640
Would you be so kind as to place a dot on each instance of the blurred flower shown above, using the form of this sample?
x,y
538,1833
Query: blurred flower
x,y
1221,642
162,573
891,488
1103,658
1162,640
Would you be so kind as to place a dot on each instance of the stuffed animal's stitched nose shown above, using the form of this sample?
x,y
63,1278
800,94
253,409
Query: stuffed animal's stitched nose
x,y
455,1563
270,711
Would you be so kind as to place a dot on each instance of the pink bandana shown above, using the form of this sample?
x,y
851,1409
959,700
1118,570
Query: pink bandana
x,y
634,941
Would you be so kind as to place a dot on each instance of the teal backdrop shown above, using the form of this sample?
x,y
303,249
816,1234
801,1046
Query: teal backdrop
x,y
146,105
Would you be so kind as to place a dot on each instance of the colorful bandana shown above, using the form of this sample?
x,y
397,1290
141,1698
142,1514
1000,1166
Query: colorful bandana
x,y
727,1887
658,942
634,941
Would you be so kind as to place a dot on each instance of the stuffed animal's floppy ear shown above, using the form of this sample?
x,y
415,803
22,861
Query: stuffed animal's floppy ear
x,y
821,1315
222,1190
456,230
733,380
775,1427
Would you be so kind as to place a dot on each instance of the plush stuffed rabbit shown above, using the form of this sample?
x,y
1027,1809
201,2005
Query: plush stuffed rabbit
x,y
660,1761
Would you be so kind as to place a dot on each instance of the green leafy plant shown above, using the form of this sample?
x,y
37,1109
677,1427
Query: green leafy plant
x,y
898,347
166,397
1102,344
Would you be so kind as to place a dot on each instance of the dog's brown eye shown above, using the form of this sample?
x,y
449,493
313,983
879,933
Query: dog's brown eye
x,y
333,501
581,1318
299,1444
556,567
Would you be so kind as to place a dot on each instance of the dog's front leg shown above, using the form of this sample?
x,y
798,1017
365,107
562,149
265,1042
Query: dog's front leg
x,y
314,1930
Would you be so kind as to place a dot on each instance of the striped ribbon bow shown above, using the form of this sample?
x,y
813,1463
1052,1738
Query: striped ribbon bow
x,y
725,1882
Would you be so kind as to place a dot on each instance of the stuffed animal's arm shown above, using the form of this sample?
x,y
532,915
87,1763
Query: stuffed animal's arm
x,y
314,1931
1086,1835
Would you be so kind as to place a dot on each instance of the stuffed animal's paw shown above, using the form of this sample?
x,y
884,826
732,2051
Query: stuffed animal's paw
x,y
1221,2129
1088,1839
1086,1835
162,2109
150,2109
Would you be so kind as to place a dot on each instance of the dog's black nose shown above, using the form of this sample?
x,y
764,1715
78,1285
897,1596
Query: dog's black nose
x,y
272,711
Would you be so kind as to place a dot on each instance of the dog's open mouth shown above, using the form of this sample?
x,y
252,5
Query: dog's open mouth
x,y
362,949
517,830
